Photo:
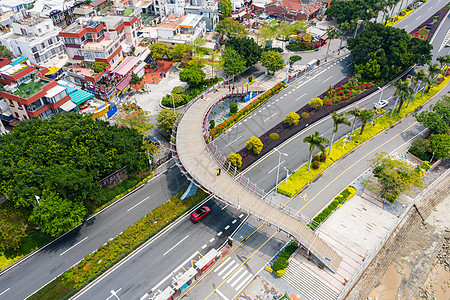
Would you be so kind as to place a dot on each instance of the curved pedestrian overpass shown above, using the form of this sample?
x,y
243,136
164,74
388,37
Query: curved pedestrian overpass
x,y
199,161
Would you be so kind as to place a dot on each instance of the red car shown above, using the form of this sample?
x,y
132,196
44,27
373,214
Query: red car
x,y
200,213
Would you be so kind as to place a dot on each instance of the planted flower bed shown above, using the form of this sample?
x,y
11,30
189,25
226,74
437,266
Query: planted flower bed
x,y
341,95
427,29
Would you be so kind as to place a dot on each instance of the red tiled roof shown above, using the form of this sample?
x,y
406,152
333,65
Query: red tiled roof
x,y
297,5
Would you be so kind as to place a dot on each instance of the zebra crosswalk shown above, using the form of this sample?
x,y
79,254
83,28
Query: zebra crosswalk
x,y
235,274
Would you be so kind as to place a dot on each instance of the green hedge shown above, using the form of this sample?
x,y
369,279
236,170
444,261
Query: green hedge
x,y
340,199
281,263
107,255
230,121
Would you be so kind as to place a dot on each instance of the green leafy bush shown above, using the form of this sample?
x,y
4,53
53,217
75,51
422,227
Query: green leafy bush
x,y
305,115
281,263
235,159
179,90
167,101
315,164
254,145
233,108
98,67
295,58
274,136
422,149
292,119
212,123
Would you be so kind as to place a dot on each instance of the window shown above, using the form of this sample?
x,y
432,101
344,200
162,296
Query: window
x,y
20,51
47,27
39,30
43,45
50,41
17,115
34,49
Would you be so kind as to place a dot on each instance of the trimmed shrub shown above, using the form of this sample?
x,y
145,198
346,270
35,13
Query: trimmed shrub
x,y
212,124
233,108
179,90
274,136
315,164
235,159
305,115
295,58
322,157
292,118
316,103
254,145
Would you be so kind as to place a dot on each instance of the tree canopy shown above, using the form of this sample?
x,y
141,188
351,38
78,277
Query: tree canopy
x,y
254,145
351,11
4,52
232,62
272,61
392,177
159,50
247,48
440,145
437,119
65,155
230,27
226,7
192,76
165,120
384,51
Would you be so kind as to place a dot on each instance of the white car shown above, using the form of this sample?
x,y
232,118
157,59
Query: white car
x,y
380,104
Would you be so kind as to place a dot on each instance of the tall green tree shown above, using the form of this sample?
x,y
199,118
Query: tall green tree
x,y
392,177
272,61
165,120
344,27
230,28
356,112
433,70
440,145
159,50
315,140
437,118
232,62
402,93
134,117
338,119
226,7
176,54
246,48
56,215
418,79
192,76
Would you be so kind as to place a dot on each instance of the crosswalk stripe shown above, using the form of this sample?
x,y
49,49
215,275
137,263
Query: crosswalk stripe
x,y
221,265
244,282
239,278
235,274
226,268
230,271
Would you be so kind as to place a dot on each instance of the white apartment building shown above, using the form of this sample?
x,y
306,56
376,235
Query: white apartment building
x,y
181,29
35,38
169,7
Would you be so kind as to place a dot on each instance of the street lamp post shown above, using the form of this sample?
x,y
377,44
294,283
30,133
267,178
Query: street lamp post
x,y
287,173
278,167
381,93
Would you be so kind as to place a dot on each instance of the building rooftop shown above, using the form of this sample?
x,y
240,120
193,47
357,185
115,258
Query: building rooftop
x,y
31,21
112,22
171,22
191,21
28,90
102,45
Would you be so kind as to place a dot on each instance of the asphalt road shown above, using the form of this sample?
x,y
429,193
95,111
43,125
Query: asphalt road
x,y
152,267
48,263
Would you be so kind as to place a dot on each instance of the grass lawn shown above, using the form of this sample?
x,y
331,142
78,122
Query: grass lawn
x,y
301,178
28,90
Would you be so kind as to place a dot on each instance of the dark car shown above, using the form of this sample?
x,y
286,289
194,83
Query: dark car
x,y
200,213
152,140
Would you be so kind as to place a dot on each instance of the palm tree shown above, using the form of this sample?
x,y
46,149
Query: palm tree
x,y
433,70
403,93
338,119
418,79
430,83
365,117
315,140
344,28
355,112
444,61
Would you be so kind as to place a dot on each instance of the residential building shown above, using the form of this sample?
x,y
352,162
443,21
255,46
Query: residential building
x,y
35,38
15,5
127,20
169,7
207,9
181,29
293,9
61,12
28,94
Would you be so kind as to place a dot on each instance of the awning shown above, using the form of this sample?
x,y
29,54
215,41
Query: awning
x,y
124,83
52,70
68,106
80,96
54,91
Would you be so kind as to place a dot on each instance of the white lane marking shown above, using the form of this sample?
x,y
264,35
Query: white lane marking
x,y
328,78
222,264
241,215
5,291
212,240
269,105
226,227
73,246
176,245
281,97
137,204
144,297
429,8
113,295
235,274
219,234
285,95
290,92
259,111
234,221
300,97
171,273
275,167
239,278
233,141
418,17
274,114
245,281
245,120
221,295
204,246
226,268
230,271
277,100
